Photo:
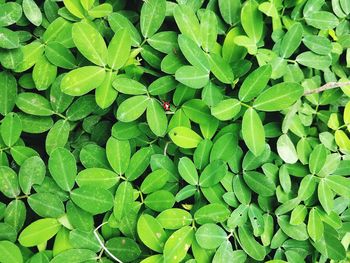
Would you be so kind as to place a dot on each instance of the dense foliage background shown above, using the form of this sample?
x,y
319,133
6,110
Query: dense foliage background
x,y
174,131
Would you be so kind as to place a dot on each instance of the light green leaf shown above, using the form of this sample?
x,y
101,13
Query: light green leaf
x,y
297,232
59,55
156,118
44,73
132,108
315,225
177,245
339,184
279,96
312,60
155,181
118,154
174,218
322,20
82,80
184,137
210,236
230,11
39,232
259,183
101,10
8,39
250,245
9,182
317,158
90,43
119,49
212,213
318,44
9,252
291,40
252,20
32,12
92,199
253,132
188,170
97,176
213,173
152,16
192,77
75,7
32,172
10,13
8,92
151,233
254,83
187,22
208,29
63,168
129,86
46,205
123,200
221,69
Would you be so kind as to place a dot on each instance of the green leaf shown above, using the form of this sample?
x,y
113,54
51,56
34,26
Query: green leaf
x,y
151,233
34,104
129,86
174,218
192,77
177,245
187,22
90,43
312,60
184,137
250,245
322,20
9,182
212,213
230,11
105,95
125,249
57,136
10,13
152,16
315,225
8,92
82,80
63,168
339,184
75,7
132,108
279,96
165,42
325,196
226,109
297,232
221,69
286,149
9,39
97,176
123,200
252,20
225,253
32,12
156,118
253,132
139,163
32,172
92,199
307,187
119,49
160,200
46,205
188,171
291,40
118,154
193,53
74,255
60,56
44,74
213,173
9,252
210,236
259,183
39,232
117,22
101,10
11,129
162,85
318,44
317,158
31,54
255,83
155,181
208,29
298,215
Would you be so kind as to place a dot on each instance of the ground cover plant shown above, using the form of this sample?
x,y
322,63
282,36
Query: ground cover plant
x,y
174,131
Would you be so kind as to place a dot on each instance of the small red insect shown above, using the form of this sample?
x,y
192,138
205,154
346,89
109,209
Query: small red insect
x,y
166,106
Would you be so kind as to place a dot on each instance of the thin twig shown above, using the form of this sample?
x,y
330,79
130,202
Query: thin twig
x,y
103,246
327,86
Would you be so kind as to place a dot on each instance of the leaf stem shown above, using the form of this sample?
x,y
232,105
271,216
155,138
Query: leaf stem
x,y
245,105
327,86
